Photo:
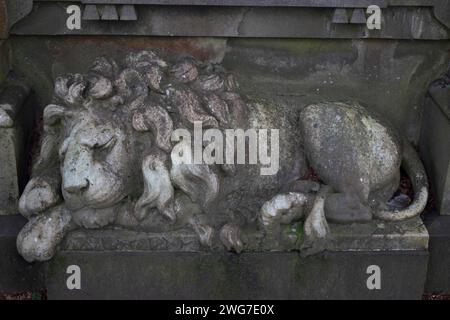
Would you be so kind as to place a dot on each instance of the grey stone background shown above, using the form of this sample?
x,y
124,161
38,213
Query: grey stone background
x,y
390,76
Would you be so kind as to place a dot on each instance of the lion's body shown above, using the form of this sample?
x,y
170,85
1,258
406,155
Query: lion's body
x,y
107,158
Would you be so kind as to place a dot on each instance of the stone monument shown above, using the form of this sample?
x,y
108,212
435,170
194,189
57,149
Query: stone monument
x,y
119,117
191,149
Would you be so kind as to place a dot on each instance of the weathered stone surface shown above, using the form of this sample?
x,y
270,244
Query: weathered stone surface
x,y
435,144
301,71
205,276
387,74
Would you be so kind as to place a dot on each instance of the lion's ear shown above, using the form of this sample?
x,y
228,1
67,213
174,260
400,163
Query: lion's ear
x,y
157,120
53,113
69,89
158,190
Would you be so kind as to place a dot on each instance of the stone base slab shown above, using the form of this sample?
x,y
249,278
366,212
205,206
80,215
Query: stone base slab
x,y
123,264
269,275
139,274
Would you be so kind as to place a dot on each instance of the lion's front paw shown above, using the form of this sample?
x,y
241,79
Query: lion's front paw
x,y
37,241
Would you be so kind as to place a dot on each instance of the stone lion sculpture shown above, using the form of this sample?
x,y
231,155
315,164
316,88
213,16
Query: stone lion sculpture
x,y
107,159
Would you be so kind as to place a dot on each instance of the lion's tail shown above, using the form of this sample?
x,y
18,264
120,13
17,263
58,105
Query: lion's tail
x,y
416,172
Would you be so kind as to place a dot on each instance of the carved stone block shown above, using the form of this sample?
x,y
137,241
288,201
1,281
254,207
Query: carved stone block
x,y
435,142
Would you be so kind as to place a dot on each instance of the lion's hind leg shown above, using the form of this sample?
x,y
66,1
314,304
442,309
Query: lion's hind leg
x,y
346,208
316,226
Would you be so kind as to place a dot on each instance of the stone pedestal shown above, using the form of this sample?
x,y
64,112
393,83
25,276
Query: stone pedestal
x,y
435,143
134,272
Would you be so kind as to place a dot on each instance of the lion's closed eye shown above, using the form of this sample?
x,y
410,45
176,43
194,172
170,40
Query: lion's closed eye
x,y
101,138
102,145
101,150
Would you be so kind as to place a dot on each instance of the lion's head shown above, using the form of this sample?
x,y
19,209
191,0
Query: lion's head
x,y
109,133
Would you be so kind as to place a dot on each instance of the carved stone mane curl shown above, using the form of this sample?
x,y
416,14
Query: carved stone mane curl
x,y
155,94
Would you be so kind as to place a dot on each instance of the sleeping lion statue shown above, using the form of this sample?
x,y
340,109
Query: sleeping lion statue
x,y
110,157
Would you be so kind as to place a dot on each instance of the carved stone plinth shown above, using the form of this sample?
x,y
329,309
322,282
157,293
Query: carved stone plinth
x,y
374,236
119,264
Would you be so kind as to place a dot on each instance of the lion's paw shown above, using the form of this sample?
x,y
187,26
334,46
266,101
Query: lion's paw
x,y
38,240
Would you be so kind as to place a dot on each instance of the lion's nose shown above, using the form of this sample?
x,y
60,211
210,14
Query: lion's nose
x,y
76,169
76,186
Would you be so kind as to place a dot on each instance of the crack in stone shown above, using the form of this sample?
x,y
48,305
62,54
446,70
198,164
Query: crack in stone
x,y
241,21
